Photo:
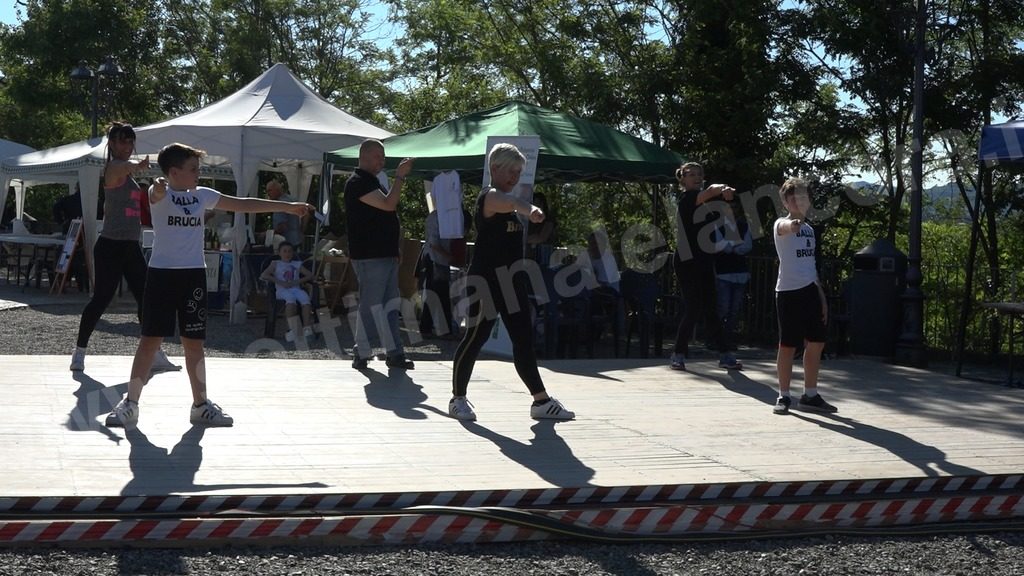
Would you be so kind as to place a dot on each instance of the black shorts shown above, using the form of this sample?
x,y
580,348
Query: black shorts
x,y
799,313
175,297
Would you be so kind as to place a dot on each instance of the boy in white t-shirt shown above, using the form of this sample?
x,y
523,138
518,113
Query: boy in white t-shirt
x,y
799,300
175,293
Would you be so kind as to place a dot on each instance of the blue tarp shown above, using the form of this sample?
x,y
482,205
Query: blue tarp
x,y
1002,144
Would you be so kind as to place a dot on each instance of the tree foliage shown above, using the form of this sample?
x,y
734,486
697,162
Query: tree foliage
x,y
42,103
756,89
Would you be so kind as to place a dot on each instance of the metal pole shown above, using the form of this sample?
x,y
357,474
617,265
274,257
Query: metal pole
x,y
95,103
910,349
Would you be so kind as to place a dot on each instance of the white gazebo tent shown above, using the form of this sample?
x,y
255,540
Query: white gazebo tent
x,y
273,123
8,148
76,163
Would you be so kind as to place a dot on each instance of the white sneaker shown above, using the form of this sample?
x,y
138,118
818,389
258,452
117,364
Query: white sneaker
x,y
78,360
307,332
460,409
210,414
289,336
161,363
124,415
551,410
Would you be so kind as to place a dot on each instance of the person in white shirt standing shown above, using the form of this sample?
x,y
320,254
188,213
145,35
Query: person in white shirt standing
x,y
799,300
175,293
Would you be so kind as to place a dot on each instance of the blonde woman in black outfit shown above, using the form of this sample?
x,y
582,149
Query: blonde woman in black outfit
x,y
499,245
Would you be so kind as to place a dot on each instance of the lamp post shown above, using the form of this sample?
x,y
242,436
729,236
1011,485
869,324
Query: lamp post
x,y
82,73
910,348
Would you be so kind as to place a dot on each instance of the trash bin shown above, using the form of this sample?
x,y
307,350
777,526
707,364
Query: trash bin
x,y
876,311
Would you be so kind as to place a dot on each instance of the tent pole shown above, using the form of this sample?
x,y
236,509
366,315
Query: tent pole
x,y
654,204
323,205
6,181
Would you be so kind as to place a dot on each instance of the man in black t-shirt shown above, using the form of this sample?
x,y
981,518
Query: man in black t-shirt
x,y
373,241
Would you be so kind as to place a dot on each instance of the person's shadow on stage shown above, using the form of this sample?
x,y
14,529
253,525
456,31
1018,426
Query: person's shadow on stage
x,y
929,459
546,454
93,400
902,446
396,392
156,470
740,383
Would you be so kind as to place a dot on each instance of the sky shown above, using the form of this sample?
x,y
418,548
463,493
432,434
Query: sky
x,y
7,13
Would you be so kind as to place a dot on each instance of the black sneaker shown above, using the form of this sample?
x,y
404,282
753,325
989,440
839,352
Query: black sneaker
x,y
815,404
730,363
399,362
782,405
360,363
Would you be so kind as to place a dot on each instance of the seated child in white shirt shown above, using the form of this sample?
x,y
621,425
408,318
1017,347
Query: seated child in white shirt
x,y
288,276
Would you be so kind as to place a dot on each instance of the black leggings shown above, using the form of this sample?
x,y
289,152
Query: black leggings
x,y
483,314
112,259
697,284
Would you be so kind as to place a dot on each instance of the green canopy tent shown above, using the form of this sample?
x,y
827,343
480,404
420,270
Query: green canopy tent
x,y
571,149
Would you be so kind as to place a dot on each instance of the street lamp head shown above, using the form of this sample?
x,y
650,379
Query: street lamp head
x,y
110,68
81,72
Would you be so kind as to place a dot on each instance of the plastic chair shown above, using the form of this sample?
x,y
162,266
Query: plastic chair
x,y
647,310
583,317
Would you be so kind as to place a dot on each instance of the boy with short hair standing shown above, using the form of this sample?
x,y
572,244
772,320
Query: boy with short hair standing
x,y
175,293
799,300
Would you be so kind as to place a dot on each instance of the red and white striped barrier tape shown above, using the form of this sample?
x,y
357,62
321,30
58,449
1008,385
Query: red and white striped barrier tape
x,y
616,524
613,514
533,498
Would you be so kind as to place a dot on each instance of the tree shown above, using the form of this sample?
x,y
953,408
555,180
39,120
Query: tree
x,y
43,105
332,47
978,72
865,47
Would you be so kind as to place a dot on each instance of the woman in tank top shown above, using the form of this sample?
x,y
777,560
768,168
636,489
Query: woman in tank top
x,y
118,253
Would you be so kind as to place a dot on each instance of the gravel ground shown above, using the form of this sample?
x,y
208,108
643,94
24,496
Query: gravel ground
x,y
1000,554
49,326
